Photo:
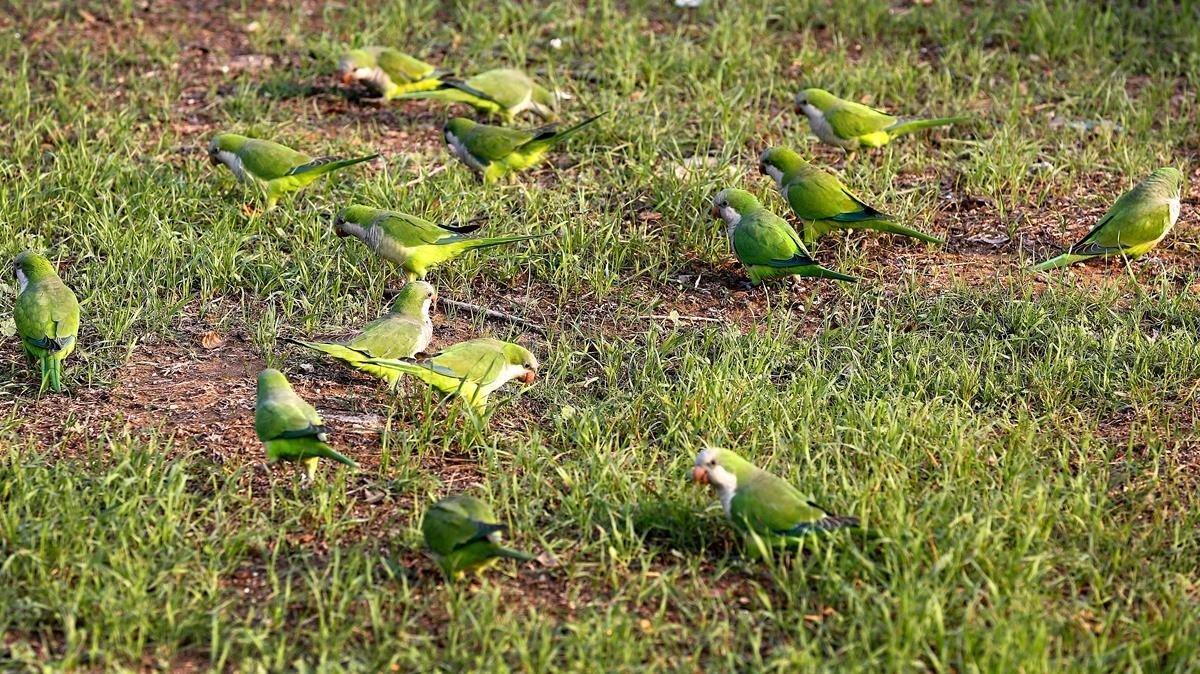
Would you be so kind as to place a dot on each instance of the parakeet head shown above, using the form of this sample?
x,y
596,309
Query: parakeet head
x,y
224,142
520,357
456,128
30,266
813,101
270,380
1170,178
721,468
357,65
779,162
414,299
731,204
358,215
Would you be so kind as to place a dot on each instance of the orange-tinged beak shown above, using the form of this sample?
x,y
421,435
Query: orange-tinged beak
x,y
529,377
716,212
348,77
700,475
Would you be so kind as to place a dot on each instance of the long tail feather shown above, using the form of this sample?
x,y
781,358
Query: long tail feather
x,y
515,554
560,136
822,272
475,244
332,454
323,165
917,124
893,227
1060,261
52,373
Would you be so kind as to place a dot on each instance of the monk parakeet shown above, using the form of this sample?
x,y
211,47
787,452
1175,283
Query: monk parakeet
x,y
276,168
850,125
472,369
403,332
823,202
764,242
493,151
388,72
770,512
46,314
464,536
1138,220
505,92
411,243
289,427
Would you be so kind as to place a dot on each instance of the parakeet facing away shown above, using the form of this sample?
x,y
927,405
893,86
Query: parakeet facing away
x,y
411,243
494,152
472,369
764,242
276,168
850,125
1138,220
463,534
505,93
403,332
770,512
289,427
46,314
823,202
388,72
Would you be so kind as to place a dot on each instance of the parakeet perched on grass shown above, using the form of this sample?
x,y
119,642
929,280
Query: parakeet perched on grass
x,y
764,242
411,243
770,512
464,536
851,125
289,427
277,169
1137,222
403,332
472,370
505,93
823,202
388,72
46,315
494,152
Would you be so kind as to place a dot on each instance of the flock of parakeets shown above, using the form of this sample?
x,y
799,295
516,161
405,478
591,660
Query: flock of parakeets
x,y
461,531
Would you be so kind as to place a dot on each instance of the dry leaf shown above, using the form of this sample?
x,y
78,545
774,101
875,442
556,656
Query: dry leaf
x,y
211,340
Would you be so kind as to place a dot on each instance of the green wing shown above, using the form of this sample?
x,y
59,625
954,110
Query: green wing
x,y
403,68
1132,221
491,143
409,230
507,87
266,160
818,195
286,415
850,120
391,336
766,504
763,238
477,360
45,312
457,521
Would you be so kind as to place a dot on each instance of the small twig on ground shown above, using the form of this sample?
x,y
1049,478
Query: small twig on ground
x,y
681,317
421,178
493,314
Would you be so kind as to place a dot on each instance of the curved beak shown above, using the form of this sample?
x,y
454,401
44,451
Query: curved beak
x,y
700,475
347,77
212,158
529,376
716,212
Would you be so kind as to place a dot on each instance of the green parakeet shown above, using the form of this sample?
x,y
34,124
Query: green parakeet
x,y
403,332
473,369
823,202
850,125
764,242
464,536
411,243
46,314
770,512
504,92
289,427
494,152
1138,220
387,72
277,169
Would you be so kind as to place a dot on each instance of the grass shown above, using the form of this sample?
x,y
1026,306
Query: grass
x,y
1022,449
